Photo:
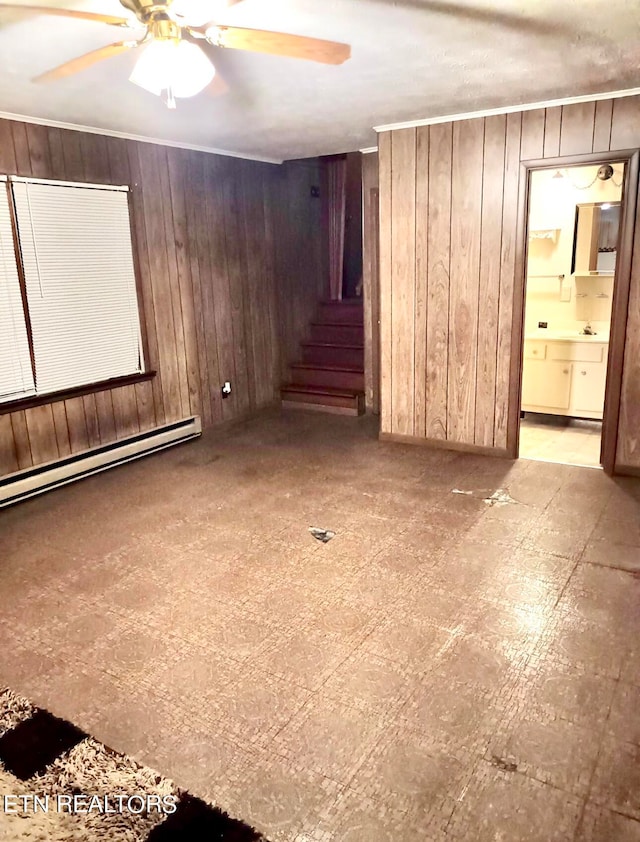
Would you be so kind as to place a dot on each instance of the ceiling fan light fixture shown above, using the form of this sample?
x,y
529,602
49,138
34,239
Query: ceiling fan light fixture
x,y
197,12
173,65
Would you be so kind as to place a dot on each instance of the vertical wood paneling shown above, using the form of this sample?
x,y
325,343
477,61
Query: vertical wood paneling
x,y
507,276
39,423
467,239
195,227
208,303
173,300
77,423
95,158
490,267
533,134
439,251
125,411
421,281
552,123
92,420
466,224
61,425
150,160
602,126
106,420
628,448
132,406
72,154
8,456
7,154
218,290
576,132
223,249
56,151
21,440
21,149
270,282
403,248
237,273
257,343
533,126
386,280
371,280
256,242
625,123
39,156
177,188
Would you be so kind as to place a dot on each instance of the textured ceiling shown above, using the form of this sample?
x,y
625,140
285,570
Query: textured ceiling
x,y
412,59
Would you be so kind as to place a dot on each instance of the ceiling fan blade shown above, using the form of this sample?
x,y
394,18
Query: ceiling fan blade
x,y
67,13
85,61
277,43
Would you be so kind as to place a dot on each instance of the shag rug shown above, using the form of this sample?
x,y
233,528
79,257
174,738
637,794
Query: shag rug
x,y
58,784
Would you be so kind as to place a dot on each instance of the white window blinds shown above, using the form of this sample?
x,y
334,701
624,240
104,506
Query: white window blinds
x,y
16,374
79,276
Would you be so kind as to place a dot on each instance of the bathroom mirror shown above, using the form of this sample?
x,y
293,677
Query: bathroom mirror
x,y
596,238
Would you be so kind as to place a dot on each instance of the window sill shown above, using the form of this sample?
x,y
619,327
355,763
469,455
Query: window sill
x,y
77,392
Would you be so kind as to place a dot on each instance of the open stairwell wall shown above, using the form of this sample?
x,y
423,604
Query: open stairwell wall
x,y
228,254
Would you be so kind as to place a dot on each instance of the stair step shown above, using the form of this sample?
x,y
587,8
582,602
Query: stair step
x,y
323,399
342,312
326,353
335,376
337,332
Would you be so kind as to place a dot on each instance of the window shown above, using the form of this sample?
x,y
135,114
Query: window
x,y
73,321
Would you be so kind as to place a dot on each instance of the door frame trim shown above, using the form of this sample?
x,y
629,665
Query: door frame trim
x,y
620,304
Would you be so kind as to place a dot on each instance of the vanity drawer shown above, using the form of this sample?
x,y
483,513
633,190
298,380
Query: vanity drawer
x,y
535,350
577,352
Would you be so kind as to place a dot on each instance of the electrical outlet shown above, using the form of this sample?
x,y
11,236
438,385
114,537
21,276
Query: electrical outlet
x,y
315,192
226,389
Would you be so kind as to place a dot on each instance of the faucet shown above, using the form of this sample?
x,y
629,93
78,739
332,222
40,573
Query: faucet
x,y
588,330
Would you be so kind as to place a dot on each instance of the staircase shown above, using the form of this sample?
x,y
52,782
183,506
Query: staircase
x,y
330,374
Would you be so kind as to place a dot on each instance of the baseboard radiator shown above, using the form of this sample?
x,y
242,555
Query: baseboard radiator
x,y
31,481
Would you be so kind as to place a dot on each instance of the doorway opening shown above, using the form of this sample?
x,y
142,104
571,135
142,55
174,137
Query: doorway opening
x,y
572,261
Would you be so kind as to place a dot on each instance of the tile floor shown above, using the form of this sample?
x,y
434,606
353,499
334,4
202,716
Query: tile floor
x,y
441,670
554,438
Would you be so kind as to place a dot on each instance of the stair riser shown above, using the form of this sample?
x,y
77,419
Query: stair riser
x,y
342,334
335,379
351,405
341,314
333,356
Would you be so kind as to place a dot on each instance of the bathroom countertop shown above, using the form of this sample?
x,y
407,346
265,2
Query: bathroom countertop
x,y
553,336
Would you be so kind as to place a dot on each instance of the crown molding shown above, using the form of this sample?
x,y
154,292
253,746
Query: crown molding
x,y
76,127
508,109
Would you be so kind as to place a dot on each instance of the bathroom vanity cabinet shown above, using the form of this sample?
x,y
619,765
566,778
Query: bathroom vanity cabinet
x,y
565,376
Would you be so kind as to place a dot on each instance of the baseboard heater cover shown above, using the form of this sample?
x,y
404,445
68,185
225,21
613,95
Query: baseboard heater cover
x,y
31,481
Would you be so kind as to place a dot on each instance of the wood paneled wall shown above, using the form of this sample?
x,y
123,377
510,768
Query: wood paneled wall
x,y
449,198
301,252
228,256
371,281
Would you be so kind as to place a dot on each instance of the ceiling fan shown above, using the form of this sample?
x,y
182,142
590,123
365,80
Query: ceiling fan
x,y
173,60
